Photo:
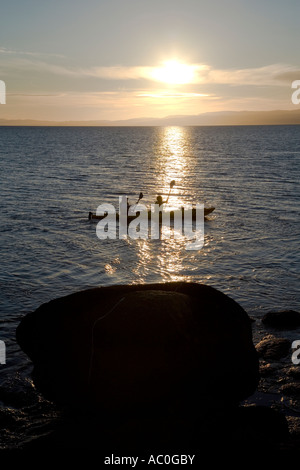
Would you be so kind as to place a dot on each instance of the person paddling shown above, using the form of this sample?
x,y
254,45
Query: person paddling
x,y
159,199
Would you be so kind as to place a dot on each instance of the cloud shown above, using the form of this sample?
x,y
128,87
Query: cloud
x,y
288,76
5,50
117,72
21,64
124,104
270,75
202,74
261,76
167,94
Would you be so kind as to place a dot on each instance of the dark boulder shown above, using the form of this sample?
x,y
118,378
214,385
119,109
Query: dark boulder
x,y
150,347
271,347
283,319
260,425
256,430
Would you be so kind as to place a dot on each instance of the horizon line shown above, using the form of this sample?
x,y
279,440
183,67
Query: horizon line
x,y
213,118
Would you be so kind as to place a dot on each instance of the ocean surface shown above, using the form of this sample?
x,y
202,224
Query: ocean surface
x,y
52,177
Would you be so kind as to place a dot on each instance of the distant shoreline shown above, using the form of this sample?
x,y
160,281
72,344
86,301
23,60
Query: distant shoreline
x,y
213,119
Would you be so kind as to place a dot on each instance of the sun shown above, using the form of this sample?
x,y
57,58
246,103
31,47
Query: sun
x,y
174,73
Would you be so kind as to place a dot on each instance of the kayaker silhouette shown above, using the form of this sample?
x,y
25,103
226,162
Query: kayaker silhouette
x,y
159,199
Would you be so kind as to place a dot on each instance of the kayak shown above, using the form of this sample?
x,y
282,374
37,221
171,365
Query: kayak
x,y
130,218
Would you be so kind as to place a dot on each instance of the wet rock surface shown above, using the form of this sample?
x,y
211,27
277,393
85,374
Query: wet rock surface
x,y
271,347
279,386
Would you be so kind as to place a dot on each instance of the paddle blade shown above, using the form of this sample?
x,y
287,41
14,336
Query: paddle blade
x,y
141,195
172,183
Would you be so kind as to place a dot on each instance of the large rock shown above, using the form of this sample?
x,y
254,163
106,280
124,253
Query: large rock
x,y
124,349
283,319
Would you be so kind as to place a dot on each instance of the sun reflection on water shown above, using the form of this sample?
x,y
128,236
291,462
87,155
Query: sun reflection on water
x,y
166,258
173,163
161,259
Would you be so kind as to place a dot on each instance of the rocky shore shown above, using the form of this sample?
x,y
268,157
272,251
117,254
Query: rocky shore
x,y
279,366
172,366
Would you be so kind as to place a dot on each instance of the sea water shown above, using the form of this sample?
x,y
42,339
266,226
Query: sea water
x,y
51,177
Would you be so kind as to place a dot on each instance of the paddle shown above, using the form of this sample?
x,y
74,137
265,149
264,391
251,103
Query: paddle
x,y
171,186
140,197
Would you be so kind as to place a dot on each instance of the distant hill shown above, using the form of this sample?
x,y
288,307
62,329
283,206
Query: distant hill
x,y
224,118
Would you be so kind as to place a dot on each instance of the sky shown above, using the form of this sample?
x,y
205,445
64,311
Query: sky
x,y
122,59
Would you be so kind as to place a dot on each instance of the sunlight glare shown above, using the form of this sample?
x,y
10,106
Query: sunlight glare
x,y
174,72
